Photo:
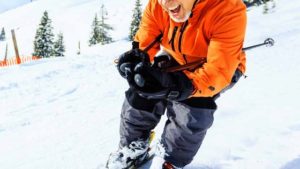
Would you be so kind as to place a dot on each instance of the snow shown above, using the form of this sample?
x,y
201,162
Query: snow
x,y
64,112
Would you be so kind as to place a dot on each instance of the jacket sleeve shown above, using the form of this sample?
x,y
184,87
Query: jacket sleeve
x,y
150,28
224,52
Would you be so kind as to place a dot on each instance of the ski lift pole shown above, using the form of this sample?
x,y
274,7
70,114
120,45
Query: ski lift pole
x,y
6,50
16,46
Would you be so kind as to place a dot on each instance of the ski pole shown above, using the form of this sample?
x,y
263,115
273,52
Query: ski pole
x,y
140,80
268,42
157,39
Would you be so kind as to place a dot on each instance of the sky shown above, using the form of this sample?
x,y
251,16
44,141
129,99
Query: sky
x,y
10,4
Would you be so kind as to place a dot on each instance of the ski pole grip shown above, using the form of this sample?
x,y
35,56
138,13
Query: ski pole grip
x,y
139,80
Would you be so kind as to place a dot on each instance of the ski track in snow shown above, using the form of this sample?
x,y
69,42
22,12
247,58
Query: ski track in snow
x,y
64,112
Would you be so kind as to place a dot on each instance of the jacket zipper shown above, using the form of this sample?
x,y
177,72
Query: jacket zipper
x,y
182,29
173,38
181,34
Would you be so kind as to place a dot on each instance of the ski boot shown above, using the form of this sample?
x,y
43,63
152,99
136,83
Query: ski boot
x,y
129,156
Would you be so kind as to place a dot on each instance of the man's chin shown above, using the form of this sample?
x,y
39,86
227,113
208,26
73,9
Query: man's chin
x,y
182,19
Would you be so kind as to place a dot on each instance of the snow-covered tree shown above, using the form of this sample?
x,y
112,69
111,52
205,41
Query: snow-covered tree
x,y
268,8
250,3
136,19
104,37
43,42
100,29
2,35
95,32
59,46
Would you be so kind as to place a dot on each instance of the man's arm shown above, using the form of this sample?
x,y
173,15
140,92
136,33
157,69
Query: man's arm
x,y
150,28
224,52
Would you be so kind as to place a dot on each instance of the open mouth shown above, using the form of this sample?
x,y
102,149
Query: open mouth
x,y
175,10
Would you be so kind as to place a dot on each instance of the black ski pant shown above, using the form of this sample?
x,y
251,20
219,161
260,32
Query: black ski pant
x,y
184,130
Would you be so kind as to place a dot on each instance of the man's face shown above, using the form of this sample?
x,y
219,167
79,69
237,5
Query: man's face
x,y
179,10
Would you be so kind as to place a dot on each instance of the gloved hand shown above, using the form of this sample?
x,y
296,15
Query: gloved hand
x,y
128,60
153,83
163,61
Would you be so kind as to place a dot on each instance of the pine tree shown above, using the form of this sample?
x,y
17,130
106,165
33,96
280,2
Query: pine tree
x,y
100,29
95,32
136,19
43,43
104,37
2,35
250,3
267,9
59,47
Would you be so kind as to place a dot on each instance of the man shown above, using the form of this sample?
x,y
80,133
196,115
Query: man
x,y
210,32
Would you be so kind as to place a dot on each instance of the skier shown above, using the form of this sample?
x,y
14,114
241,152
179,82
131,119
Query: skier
x,y
185,31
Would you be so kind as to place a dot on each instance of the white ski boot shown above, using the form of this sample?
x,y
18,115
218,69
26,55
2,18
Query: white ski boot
x,y
158,161
128,156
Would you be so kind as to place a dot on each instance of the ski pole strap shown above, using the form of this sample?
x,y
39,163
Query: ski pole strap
x,y
189,66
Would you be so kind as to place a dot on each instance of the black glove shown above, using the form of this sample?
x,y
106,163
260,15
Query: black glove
x,y
128,60
163,61
153,83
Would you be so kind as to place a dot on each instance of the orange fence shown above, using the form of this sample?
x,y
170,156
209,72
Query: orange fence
x,y
15,61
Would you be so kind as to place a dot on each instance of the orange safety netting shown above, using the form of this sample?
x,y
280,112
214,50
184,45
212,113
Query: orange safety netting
x,y
15,61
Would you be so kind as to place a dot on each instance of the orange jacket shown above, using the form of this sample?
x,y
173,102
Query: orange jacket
x,y
215,32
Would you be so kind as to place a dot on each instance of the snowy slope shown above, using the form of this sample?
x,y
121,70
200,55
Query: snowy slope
x,y
63,113
71,17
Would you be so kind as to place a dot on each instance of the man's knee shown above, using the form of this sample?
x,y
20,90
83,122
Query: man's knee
x,y
184,134
139,102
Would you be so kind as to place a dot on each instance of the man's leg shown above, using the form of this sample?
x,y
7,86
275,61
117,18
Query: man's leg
x,y
185,129
138,117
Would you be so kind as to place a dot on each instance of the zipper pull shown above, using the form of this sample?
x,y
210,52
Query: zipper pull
x,y
173,38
